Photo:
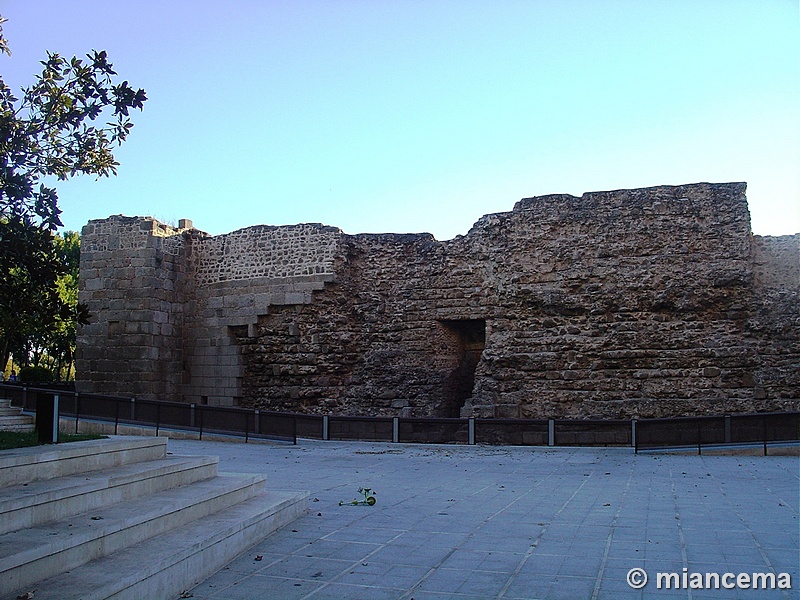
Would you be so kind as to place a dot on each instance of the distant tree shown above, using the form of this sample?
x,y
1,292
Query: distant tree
x,y
62,338
50,132
29,297
47,337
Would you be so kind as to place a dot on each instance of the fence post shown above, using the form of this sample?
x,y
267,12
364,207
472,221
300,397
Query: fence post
x,y
77,409
472,431
727,429
257,424
633,437
191,414
133,409
325,427
395,429
25,397
56,418
116,417
201,412
699,438
246,426
551,432
158,417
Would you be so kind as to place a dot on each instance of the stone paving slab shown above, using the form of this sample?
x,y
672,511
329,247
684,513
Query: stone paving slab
x,y
477,522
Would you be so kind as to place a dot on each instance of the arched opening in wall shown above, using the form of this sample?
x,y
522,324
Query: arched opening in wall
x,y
463,343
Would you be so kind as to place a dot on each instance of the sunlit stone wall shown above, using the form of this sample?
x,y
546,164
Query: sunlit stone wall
x,y
648,302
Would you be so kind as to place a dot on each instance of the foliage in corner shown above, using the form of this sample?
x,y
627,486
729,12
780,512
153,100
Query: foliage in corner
x,y
51,131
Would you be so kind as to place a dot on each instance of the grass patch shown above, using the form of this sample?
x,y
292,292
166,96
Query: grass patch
x,y
22,439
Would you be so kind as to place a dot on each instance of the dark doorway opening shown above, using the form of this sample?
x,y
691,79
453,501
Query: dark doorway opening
x,y
465,341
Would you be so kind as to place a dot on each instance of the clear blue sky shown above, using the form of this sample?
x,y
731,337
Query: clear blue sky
x,y
410,116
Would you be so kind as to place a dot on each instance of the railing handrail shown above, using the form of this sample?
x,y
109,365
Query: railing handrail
x,y
649,433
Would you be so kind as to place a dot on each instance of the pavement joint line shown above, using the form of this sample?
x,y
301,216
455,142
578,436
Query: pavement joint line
x,y
681,535
752,535
353,565
521,564
487,520
612,529
539,537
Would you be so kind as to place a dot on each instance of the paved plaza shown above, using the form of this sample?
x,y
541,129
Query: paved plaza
x,y
477,522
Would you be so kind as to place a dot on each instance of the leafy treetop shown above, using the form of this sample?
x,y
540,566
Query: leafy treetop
x,y
51,131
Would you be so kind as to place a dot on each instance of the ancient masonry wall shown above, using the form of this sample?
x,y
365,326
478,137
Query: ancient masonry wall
x,y
130,277
164,301
650,302
237,278
774,322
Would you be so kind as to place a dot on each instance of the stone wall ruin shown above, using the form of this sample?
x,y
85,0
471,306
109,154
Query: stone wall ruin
x,y
649,302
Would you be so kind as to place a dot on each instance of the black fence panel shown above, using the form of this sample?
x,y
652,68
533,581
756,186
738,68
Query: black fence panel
x,y
13,393
276,425
68,404
23,396
686,431
178,415
768,427
592,433
141,412
511,432
226,420
373,429
309,426
90,406
434,431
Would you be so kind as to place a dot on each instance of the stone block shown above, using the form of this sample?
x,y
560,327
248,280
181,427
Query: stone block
x,y
93,284
297,298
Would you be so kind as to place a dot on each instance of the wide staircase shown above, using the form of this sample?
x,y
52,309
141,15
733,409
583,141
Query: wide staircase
x,y
119,518
12,419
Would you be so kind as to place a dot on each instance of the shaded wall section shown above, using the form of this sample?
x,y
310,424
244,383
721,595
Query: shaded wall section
x,y
131,274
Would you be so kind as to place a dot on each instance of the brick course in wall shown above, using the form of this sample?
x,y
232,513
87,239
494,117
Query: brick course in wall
x,y
650,302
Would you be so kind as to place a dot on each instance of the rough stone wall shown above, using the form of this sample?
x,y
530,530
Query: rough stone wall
x,y
774,322
628,302
650,302
372,342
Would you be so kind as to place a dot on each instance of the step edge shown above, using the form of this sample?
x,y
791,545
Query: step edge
x,y
257,514
40,499
39,552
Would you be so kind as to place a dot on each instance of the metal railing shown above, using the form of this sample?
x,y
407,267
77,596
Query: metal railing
x,y
722,430
641,434
157,414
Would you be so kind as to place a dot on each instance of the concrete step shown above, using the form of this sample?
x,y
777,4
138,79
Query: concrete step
x,y
6,411
18,419
161,567
31,555
39,502
24,465
20,427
